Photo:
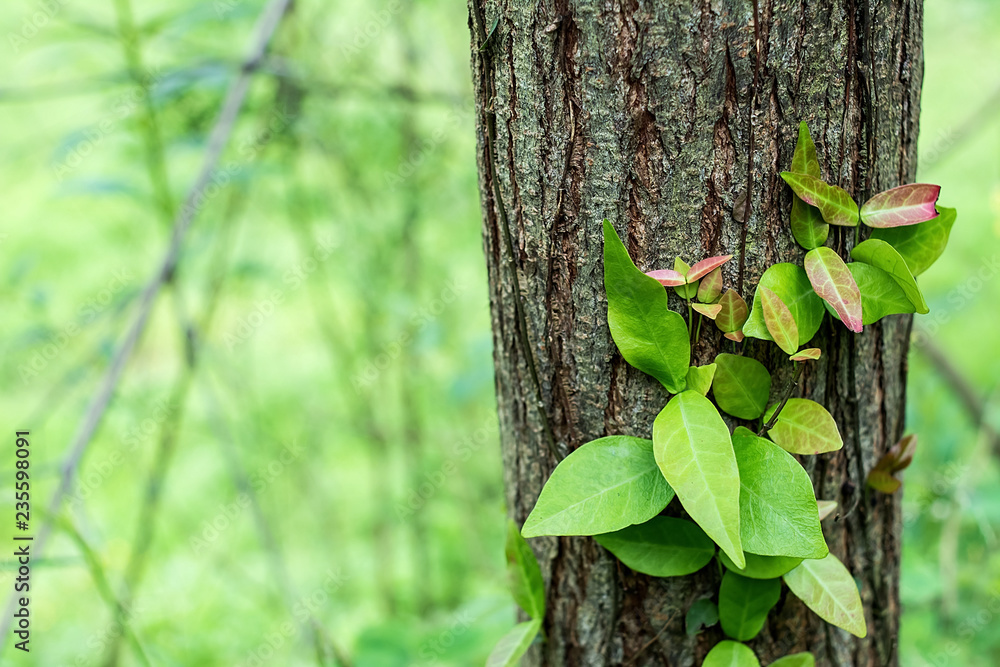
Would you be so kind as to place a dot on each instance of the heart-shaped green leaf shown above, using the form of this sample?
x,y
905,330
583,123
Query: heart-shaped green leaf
x,y
699,378
651,337
881,255
761,567
730,654
779,321
880,294
826,587
833,282
513,645
695,453
605,485
804,427
733,314
661,547
688,291
523,574
744,604
834,203
741,386
901,206
710,287
808,227
777,504
791,284
920,245
795,660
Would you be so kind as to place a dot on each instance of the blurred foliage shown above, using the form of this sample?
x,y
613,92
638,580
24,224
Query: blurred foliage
x,y
337,453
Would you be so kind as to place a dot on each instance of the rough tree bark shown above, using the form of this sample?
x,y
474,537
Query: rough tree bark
x,y
641,111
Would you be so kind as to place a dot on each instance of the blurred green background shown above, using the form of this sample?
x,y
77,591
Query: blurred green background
x,y
301,463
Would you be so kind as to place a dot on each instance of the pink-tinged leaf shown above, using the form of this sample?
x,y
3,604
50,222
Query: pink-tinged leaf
x,y
709,310
833,202
734,335
734,313
779,321
667,277
710,287
810,354
833,282
905,205
706,266
804,161
825,508
882,481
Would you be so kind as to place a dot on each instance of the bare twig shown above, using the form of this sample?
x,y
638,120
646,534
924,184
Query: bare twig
x,y
781,406
217,141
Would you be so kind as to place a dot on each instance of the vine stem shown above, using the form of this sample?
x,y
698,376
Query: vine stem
x,y
788,393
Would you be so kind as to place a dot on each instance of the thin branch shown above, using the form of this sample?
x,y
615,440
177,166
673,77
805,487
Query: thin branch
x,y
781,406
219,137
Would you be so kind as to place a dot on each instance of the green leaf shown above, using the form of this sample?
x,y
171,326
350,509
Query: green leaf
x,y
681,267
881,255
699,378
730,654
795,660
523,574
733,314
920,245
810,354
741,386
777,505
901,206
808,227
833,282
804,160
687,292
651,337
762,567
744,604
710,287
513,645
791,284
826,587
605,485
804,427
661,547
709,310
695,453
834,203
779,321
703,614
880,294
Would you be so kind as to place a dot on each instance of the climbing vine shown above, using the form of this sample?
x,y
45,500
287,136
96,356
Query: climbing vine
x,y
750,504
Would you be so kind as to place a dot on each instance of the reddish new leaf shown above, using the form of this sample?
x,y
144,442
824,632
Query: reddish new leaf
x,y
833,282
898,458
833,202
734,313
709,310
779,321
733,335
905,205
809,354
706,266
882,481
710,287
667,277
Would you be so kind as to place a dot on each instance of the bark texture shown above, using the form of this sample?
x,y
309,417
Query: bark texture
x,y
640,111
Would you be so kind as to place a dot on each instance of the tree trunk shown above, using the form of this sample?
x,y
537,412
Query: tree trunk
x,y
641,111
